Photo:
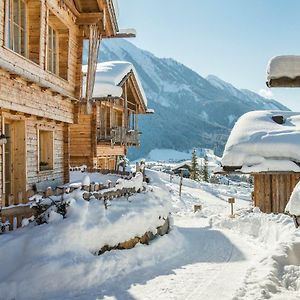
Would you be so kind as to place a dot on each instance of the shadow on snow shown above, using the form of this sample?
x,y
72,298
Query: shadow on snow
x,y
202,245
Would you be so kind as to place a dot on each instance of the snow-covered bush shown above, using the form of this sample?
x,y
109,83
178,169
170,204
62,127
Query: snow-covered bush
x,y
4,226
44,211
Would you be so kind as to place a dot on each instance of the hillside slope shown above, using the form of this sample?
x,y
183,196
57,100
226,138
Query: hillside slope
x,y
191,111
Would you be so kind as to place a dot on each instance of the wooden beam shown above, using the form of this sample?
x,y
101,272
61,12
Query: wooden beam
x,y
122,35
31,77
73,8
78,5
89,18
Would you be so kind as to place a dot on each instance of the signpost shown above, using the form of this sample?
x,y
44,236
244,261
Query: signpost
x,y
181,179
231,201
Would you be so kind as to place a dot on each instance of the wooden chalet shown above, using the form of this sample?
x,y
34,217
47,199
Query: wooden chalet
x,y
184,168
265,145
41,44
104,134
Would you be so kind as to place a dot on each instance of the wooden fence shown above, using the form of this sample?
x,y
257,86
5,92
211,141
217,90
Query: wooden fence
x,y
12,216
101,171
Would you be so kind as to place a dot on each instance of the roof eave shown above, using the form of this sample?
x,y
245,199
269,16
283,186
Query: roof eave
x,y
284,82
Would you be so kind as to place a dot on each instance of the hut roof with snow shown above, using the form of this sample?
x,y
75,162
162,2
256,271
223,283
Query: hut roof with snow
x,y
284,71
264,141
111,76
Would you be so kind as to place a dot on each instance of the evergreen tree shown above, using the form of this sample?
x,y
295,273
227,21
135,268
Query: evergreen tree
x,y
194,173
205,174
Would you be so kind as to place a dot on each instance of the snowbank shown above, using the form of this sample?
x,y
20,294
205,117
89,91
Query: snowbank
x,y
56,259
293,206
277,270
257,143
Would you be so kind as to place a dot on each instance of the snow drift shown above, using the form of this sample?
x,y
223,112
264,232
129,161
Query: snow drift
x,y
56,260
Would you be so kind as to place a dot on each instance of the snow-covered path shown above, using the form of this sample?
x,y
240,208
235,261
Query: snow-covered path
x,y
207,254
211,265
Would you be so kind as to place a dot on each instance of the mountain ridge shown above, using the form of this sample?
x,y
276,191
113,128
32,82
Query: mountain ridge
x,y
190,110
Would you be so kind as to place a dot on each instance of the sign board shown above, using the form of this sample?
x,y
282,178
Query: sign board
x,y
231,200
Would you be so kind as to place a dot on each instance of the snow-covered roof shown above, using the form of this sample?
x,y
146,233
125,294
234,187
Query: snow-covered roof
x,y
259,143
284,71
150,111
127,31
109,75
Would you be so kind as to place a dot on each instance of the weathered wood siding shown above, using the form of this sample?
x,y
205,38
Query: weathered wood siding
x,y
273,190
81,140
39,98
2,22
26,162
107,150
16,95
33,173
84,149
35,63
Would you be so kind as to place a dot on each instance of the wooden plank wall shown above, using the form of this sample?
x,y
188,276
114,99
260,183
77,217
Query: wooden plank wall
x,y
33,174
81,151
107,150
29,152
1,164
34,30
67,152
35,63
16,95
2,22
272,191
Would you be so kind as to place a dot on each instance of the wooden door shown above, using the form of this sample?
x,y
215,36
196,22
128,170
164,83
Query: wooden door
x,y
111,164
8,164
15,159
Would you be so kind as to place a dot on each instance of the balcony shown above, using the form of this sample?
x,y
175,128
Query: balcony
x,y
119,135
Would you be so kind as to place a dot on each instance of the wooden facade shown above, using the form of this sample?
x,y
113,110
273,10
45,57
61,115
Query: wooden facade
x,y
272,191
41,44
99,138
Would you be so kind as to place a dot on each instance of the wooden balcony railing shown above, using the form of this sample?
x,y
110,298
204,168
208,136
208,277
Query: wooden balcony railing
x,y
119,135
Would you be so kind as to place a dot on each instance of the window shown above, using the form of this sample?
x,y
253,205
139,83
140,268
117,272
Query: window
x,y
16,33
45,150
57,46
52,50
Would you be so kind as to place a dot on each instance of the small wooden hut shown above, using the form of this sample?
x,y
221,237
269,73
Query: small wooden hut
x,y
184,168
266,145
104,133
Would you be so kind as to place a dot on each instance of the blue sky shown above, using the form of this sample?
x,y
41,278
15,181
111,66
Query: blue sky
x,y
233,39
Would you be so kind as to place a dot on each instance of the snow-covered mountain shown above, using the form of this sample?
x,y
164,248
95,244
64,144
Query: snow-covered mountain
x,y
190,111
